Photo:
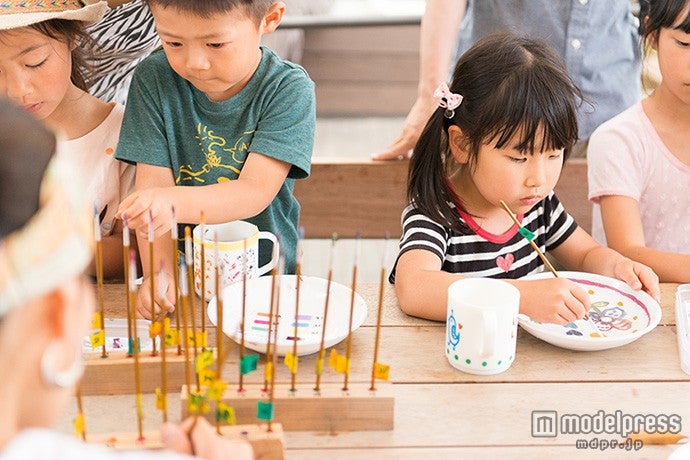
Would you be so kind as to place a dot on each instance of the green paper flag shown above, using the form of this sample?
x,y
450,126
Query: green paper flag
x,y
248,363
529,236
264,410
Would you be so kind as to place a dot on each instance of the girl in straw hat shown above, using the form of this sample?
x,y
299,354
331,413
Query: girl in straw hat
x,y
42,70
46,304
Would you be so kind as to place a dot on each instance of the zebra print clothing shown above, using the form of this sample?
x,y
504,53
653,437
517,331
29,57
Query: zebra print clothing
x,y
478,253
125,36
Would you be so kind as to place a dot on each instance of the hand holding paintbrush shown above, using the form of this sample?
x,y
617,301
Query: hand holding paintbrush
x,y
529,236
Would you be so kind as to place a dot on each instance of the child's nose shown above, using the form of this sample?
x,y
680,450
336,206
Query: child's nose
x,y
197,61
15,88
536,174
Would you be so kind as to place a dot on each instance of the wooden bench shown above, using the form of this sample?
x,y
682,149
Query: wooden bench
x,y
350,194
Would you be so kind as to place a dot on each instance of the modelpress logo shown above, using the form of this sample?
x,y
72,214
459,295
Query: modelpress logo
x,y
548,424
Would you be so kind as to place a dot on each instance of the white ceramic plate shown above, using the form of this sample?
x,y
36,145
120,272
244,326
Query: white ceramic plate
x,y
311,308
116,337
620,314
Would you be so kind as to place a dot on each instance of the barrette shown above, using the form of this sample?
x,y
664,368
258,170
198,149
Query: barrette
x,y
449,101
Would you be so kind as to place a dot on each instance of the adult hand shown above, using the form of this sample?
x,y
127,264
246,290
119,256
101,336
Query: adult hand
x,y
412,128
195,436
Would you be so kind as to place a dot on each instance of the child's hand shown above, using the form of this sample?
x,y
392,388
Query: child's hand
x,y
195,436
166,304
552,300
638,276
140,206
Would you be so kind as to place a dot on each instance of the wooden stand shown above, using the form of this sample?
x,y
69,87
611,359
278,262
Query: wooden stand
x,y
332,409
114,375
266,445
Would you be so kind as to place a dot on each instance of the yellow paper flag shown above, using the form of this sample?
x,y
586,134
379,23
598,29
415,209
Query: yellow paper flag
x,y
98,339
203,360
200,338
207,376
381,371
79,425
172,338
160,399
339,362
225,413
96,321
291,362
155,329
216,390
268,371
319,366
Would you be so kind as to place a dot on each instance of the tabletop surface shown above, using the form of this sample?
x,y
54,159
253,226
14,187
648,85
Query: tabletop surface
x,y
442,412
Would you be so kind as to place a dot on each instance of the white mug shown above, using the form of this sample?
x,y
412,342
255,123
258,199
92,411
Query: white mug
x,y
481,325
231,244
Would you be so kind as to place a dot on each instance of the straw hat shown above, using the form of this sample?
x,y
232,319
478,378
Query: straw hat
x,y
21,13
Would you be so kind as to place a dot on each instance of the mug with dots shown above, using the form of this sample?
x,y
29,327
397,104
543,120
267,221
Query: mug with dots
x,y
481,325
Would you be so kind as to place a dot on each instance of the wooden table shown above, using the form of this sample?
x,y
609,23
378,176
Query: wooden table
x,y
441,412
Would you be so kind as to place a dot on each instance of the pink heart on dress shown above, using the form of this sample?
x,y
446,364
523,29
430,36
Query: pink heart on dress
x,y
504,263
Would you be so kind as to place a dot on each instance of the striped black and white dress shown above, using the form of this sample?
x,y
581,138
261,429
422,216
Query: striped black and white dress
x,y
125,36
478,253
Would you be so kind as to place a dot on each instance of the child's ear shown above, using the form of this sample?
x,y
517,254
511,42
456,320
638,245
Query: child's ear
x,y
457,145
272,18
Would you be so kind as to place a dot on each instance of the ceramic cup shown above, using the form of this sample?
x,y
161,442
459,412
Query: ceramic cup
x,y
481,325
231,239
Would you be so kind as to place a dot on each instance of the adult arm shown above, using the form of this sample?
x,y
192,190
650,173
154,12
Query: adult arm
x,y
438,35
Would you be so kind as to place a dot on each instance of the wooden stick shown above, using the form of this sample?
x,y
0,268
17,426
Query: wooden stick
x,y
152,281
202,274
135,346
162,288
176,277
322,351
270,320
244,311
99,274
295,336
219,314
125,260
378,315
348,350
80,411
190,277
532,243
274,354
184,291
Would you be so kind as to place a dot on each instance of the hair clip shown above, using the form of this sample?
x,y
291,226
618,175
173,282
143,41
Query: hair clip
x,y
449,101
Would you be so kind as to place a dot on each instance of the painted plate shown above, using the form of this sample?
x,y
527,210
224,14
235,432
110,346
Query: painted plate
x,y
619,314
310,319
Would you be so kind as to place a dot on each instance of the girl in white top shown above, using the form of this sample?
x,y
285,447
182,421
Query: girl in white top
x,y
42,70
639,161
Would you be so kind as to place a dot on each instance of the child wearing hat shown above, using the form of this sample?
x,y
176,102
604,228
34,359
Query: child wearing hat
x,y
43,71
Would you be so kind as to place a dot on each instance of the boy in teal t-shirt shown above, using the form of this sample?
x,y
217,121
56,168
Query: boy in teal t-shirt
x,y
222,116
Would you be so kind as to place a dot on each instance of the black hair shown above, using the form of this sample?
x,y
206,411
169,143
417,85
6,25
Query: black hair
x,y
26,148
663,14
513,88
255,9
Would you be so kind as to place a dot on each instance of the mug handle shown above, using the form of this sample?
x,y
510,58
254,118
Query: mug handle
x,y
489,339
274,260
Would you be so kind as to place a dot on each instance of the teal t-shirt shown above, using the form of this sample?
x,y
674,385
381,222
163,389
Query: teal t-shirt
x,y
168,122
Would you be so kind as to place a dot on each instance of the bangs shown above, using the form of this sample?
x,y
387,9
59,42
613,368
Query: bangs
x,y
546,121
684,26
